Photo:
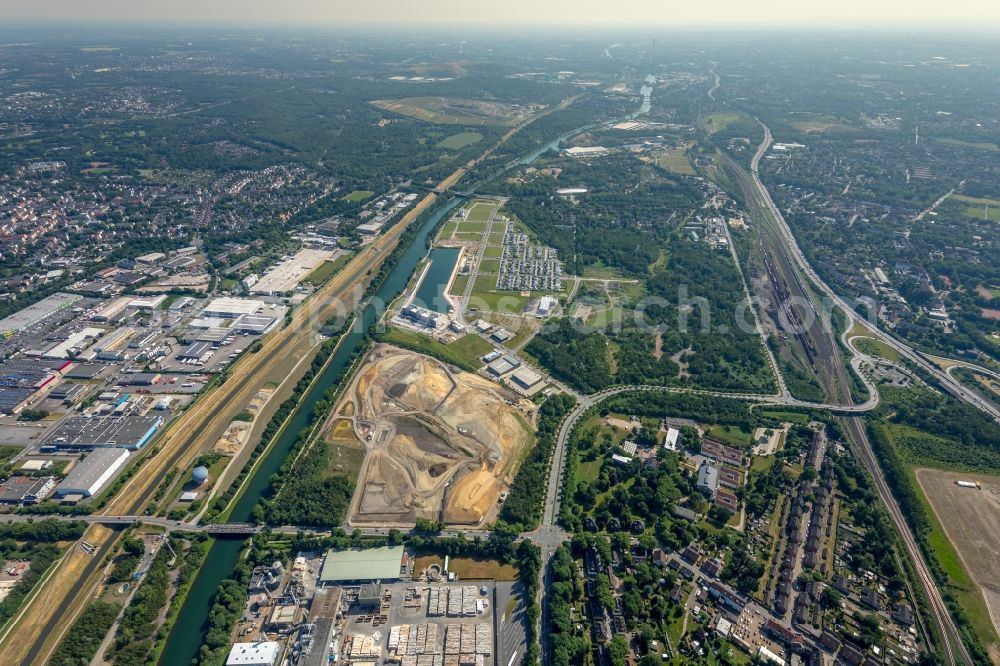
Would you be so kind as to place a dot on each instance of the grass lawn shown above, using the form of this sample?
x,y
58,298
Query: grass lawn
x,y
464,352
760,464
876,348
958,143
485,282
8,452
492,252
457,287
326,270
489,266
496,238
468,568
600,271
728,435
472,226
358,195
466,236
791,417
448,229
480,211
460,140
589,471
716,122
500,301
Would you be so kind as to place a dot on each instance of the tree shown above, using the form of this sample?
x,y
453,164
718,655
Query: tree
x,y
618,651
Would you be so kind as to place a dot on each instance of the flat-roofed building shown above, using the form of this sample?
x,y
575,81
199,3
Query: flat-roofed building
x,y
365,565
231,308
93,473
36,312
259,653
112,310
82,433
526,378
26,489
147,302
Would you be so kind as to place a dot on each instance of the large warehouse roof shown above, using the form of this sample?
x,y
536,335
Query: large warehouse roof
x,y
371,564
232,307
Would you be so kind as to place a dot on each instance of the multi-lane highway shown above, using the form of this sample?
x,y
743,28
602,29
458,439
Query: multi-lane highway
x,y
952,646
793,250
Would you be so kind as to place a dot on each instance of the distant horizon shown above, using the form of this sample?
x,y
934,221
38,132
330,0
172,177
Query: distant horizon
x,y
728,15
577,29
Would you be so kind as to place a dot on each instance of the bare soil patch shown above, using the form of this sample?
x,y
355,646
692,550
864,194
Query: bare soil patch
x,y
441,444
971,519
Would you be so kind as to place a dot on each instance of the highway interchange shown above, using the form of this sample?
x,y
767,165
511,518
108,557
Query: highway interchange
x,y
549,535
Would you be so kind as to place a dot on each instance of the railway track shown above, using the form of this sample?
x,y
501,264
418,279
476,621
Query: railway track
x,y
952,646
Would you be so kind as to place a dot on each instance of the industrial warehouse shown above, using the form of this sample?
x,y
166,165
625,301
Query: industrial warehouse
x,y
369,606
80,433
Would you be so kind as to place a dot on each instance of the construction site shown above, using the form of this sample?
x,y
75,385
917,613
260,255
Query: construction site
x,y
441,444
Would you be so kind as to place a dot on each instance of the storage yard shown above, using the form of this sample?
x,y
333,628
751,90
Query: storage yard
x,y
384,614
441,444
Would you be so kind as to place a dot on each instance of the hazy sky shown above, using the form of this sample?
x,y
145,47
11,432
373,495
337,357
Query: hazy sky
x,y
889,14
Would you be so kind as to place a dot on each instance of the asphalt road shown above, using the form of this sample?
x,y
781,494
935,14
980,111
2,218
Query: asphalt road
x,y
945,380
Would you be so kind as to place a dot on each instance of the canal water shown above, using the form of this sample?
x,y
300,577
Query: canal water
x,y
192,623
431,292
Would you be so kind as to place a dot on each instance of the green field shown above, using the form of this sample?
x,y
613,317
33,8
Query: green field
x,y
958,143
477,227
358,195
716,122
502,301
728,435
588,471
480,211
464,352
467,236
485,283
601,272
450,111
448,229
817,123
460,140
875,347
326,270
492,252
489,266
791,417
982,213
347,453
676,161
457,287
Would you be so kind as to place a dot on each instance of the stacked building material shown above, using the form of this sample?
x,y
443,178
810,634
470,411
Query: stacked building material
x,y
455,602
469,597
452,639
484,644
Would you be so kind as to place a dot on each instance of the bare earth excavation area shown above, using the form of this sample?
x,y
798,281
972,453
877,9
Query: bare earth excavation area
x,y
442,444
